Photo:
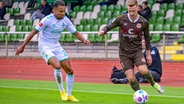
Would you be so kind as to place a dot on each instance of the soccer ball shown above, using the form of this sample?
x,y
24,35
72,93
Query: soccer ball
x,y
140,97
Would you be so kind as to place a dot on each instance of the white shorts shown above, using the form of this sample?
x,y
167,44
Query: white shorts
x,y
54,51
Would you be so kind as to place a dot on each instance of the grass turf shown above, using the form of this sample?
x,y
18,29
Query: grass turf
x,y
46,92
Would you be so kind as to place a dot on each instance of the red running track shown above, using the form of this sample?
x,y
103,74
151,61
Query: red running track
x,y
91,71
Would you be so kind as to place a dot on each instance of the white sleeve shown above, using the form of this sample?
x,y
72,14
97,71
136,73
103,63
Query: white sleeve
x,y
70,27
42,24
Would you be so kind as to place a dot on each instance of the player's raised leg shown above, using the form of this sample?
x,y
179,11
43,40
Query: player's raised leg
x,y
65,64
146,73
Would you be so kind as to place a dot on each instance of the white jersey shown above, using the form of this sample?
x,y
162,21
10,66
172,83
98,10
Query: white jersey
x,y
50,29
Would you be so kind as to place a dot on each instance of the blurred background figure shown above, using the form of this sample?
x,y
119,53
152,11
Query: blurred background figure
x,y
109,2
8,3
159,1
43,10
139,9
155,68
146,12
2,10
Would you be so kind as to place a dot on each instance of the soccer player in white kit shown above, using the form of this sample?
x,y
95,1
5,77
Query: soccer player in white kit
x,y
50,29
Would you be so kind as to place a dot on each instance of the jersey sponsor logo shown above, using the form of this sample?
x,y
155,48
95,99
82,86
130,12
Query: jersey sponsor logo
x,y
139,25
56,31
40,24
131,31
130,36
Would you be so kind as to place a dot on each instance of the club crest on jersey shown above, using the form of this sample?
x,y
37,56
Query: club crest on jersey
x,y
40,24
63,25
139,25
54,25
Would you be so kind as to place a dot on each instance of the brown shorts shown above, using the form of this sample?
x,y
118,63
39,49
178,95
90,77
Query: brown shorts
x,y
128,60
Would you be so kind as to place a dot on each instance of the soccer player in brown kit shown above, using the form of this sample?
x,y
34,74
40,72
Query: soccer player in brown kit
x,y
132,27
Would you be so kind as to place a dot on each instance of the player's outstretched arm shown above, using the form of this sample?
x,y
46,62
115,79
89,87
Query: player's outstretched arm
x,y
81,38
20,49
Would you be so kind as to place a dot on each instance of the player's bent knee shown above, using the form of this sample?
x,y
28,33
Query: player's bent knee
x,y
144,71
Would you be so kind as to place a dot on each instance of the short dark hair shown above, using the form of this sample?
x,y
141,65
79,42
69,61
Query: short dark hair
x,y
140,6
145,2
58,3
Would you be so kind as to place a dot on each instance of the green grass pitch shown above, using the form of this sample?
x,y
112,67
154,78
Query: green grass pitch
x,y
46,92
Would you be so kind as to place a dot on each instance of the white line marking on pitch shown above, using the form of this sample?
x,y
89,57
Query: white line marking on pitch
x,y
32,88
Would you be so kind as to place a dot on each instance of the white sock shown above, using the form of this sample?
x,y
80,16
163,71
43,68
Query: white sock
x,y
69,82
59,79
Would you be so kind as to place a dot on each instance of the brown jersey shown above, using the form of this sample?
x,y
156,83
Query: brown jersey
x,y
131,32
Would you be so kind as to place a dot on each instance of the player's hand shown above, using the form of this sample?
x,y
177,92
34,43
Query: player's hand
x,y
19,50
100,33
87,42
149,59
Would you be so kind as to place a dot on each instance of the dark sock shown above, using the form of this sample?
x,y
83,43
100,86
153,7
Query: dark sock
x,y
149,77
135,86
